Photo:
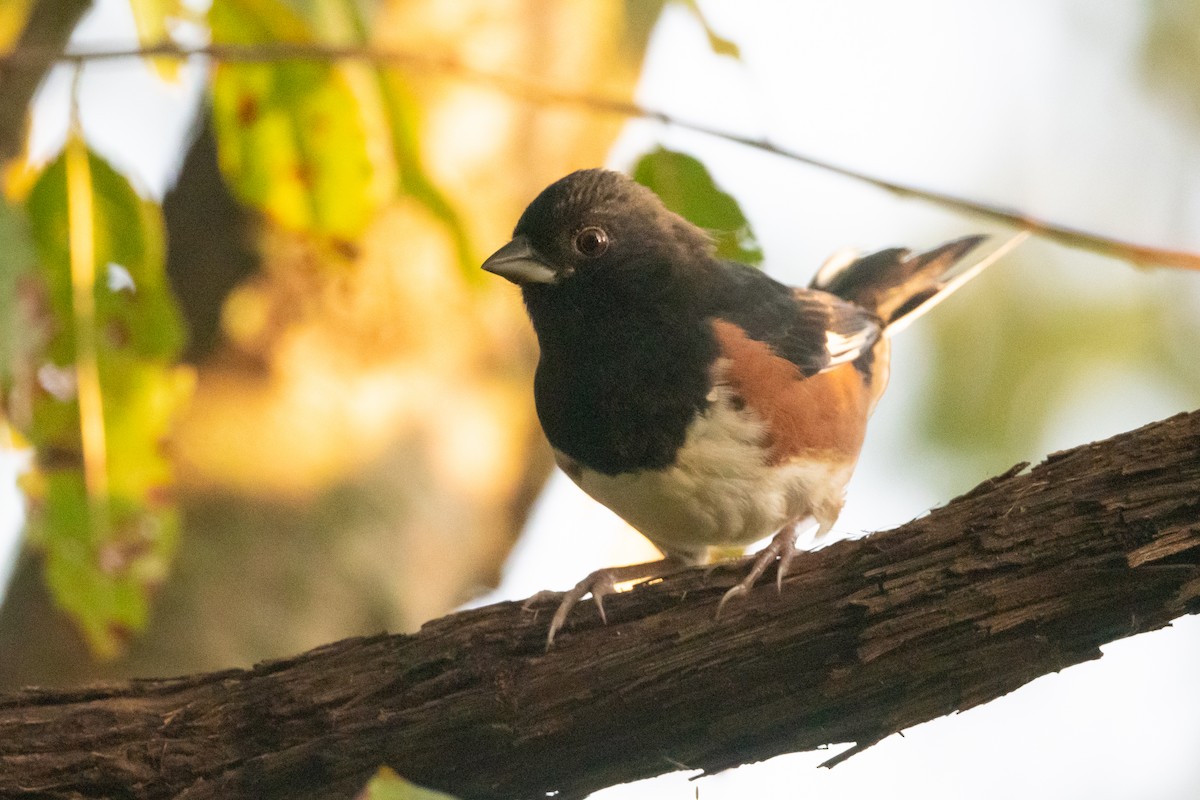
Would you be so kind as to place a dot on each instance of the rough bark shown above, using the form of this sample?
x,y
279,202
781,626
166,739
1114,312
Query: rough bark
x,y
1026,574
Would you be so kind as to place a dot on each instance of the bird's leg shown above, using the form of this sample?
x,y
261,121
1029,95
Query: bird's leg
x,y
782,547
603,582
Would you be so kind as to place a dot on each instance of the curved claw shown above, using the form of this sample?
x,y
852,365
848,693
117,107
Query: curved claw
x,y
736,591
783,548
603,582
597,583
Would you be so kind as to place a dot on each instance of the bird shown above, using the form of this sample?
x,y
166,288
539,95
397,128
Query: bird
x,y
707,404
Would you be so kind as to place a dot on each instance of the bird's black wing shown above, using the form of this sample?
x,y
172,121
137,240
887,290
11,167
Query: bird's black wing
x,y
813,329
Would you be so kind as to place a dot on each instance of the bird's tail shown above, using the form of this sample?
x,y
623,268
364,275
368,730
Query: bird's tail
x,y
900,286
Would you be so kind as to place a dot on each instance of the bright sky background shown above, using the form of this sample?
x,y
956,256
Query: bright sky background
x,y
1031,101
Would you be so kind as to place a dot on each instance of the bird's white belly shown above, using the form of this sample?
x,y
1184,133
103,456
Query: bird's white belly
x,y
721,490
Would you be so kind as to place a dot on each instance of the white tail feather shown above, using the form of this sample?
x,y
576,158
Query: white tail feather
x,y
954,284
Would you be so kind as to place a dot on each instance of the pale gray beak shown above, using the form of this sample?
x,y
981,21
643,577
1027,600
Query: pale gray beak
x,y
520,263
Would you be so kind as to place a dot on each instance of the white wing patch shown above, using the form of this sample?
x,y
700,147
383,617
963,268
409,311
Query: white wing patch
x,y
848,347
835,265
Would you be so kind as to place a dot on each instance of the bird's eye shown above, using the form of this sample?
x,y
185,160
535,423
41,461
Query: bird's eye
x,y
591,242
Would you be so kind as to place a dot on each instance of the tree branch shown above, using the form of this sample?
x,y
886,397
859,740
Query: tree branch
x,y
1028,573
540,93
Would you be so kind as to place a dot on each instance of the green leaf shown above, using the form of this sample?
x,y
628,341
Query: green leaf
x,y
389,107
687,188
318,147
719,44
387,785
129,234
640,18
403,111
1170,58
150,18
16,256
102,571
290,134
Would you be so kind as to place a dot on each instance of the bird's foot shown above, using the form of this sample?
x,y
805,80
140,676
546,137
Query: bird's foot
x,y
599,584
781,548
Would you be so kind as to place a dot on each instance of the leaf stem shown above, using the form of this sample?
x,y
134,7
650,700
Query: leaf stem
x,y
81,238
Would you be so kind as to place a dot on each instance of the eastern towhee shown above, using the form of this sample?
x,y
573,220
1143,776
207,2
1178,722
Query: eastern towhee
x,y
707,404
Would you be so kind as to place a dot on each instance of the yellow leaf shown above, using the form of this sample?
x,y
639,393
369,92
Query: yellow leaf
x,y
151,17
13,14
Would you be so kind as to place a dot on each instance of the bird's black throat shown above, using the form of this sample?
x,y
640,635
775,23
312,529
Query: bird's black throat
x,y
620,377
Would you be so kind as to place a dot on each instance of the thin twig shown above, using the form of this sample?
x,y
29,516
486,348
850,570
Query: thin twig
x,y
852,751
537,92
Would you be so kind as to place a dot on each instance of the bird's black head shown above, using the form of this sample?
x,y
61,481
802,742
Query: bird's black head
x,y
597,235
615,285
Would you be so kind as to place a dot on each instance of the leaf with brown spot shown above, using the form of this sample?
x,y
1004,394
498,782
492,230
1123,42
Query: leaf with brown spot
x,y
290,134
102,571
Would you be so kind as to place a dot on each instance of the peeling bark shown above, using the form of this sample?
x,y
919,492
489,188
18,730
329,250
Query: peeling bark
x,y
1026,574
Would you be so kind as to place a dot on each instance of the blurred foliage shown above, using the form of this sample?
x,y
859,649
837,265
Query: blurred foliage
x,y
16,258
403,114
719,44
687,188
320,148
140,320
1171,52
642,15
357,361
152,18
12,20
291,139
392,113
102,571
387,785
1007,352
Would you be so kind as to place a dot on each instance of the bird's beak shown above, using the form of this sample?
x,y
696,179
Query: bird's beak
x,y
518,262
